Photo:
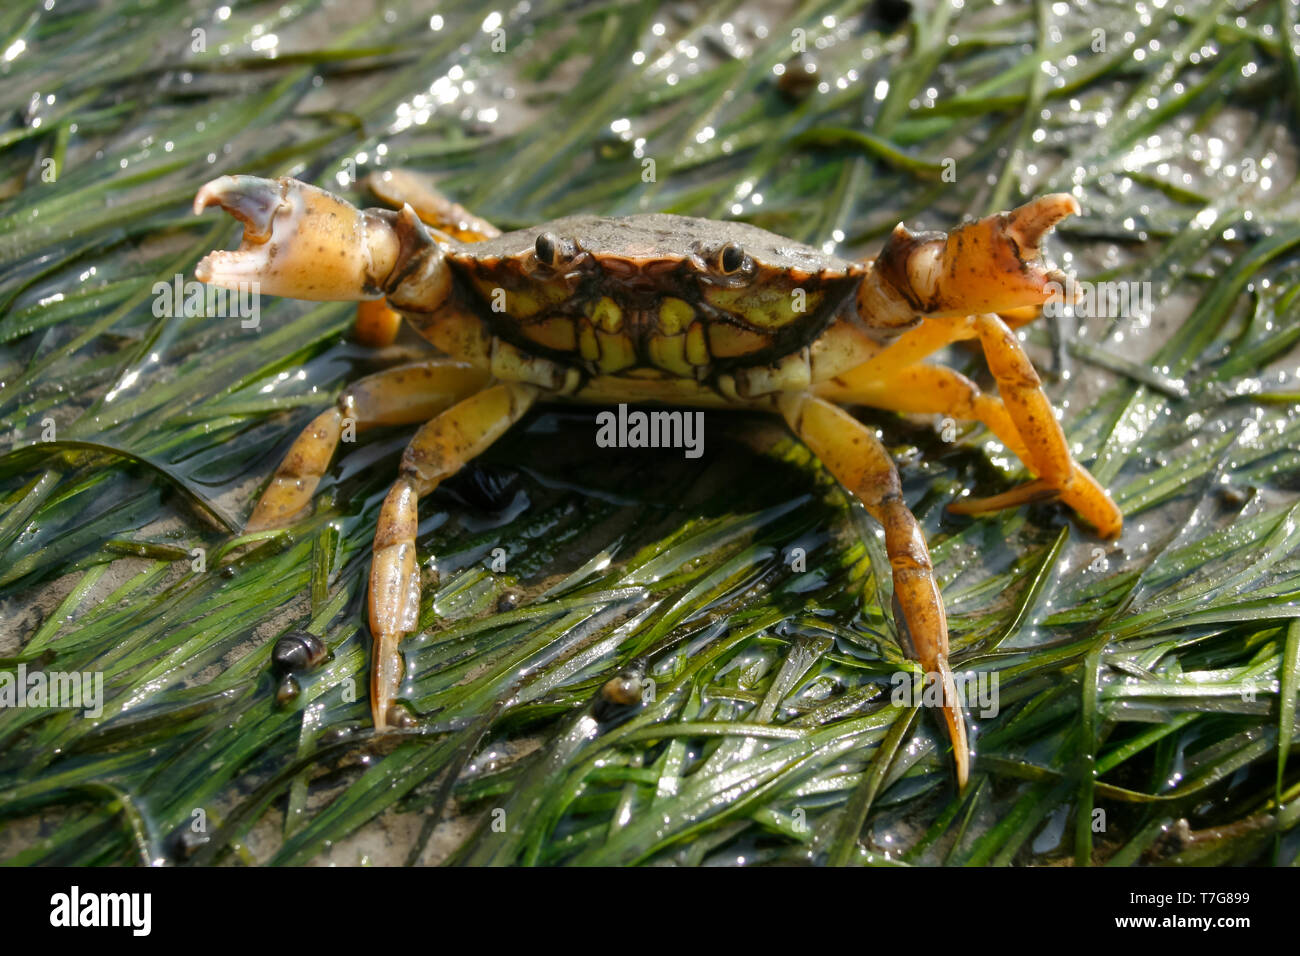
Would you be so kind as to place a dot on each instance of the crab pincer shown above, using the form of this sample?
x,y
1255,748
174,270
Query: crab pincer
x,y
299,241
989,265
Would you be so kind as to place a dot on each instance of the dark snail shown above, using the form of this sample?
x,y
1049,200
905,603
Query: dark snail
x,y
297,651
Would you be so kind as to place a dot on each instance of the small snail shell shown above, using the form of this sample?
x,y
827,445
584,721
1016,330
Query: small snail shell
x,y
400,717
297,651
619,694
625,689
288,691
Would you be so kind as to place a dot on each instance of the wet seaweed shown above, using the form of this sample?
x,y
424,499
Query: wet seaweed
x,y
1146,688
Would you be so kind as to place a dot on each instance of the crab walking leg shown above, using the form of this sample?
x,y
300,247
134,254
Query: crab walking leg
x,y
867,360
438,450
377,322
926,390
396,396
1045,444
400,187
846,347
1022,393
935,390
863,466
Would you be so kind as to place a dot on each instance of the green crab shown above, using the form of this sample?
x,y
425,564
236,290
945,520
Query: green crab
x,y
655,308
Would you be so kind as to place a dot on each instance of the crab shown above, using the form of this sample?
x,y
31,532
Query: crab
x,y
661,309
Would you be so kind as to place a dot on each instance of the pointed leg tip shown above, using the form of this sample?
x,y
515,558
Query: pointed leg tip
x,y
954,719
386,668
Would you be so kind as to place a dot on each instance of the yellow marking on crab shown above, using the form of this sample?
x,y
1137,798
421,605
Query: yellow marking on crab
x,y
668,352
728,341
767,306
606,315
555,334
674,316
616,352
524,301
588,347
697,346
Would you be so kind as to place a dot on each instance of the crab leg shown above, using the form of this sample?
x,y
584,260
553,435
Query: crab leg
x,y
869,361
377,322
1045,443
401,187
438,450
935,390
862,465
396,396
1022,393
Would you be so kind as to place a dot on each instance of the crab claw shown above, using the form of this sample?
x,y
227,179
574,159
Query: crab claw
x,y
299,241
990,265
994,264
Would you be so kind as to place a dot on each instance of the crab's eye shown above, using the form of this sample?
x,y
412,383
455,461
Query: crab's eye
x,y
547,245
731,258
